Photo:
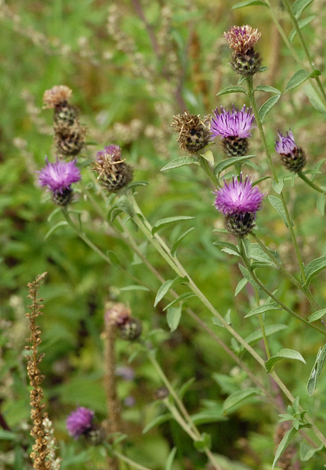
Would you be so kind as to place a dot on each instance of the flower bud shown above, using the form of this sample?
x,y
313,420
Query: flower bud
x,y
194,134
113,173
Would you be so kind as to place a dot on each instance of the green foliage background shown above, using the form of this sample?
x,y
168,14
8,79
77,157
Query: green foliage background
x,y
54,42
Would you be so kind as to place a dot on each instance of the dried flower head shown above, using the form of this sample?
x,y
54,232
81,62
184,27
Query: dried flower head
x,y
38,415
129,328
234,128
292,156
57,96
70,140
239,202
79,422
113,172
194,134
242,38
58,178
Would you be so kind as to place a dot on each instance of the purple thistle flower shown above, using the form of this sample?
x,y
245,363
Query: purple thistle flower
x,y
285,145
233,123
238,197
79,421
59,176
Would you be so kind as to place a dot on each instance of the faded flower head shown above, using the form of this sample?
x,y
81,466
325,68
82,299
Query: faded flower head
x,y
242,38
79,422
292,156
239,202
194,134
58,178
57,96
113,172
233,123
129,328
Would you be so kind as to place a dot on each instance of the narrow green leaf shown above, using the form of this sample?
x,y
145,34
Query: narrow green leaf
x,y
317,315
226,245
125,205
135,184
246,274
185,387
277,204
268,89
113,213
314,98
208,156
258,254
182,297
166,286
182,161
157,421
301,24
321,204
169,461
236,398
249,3
314,267
223,165
230,252
267,106
307,452
232,89
173,317
269,330
299,6
260,180
54,228
7,435
316,370
169,220
240,286
53,213
262,309
134,287
208,416
179,240
278,186
297,79
283,354
284,443
113,258
227,318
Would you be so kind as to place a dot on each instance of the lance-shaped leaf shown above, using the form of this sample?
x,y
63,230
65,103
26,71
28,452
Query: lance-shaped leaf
x,y
236,398
169,461
169,220
166,286
283,354
262,309
284,443
249,3
182,297
299,6
173,317
316,370
179,240
229,162
267,106
277,204
314,267
182,161
232,89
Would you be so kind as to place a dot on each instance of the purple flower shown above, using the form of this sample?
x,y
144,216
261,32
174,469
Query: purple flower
x,y
238,197
59,176
233,123
79,421
242,38
285,145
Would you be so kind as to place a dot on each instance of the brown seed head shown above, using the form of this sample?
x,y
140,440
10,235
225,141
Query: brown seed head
x,y
194,134
242,38
57,96
113,172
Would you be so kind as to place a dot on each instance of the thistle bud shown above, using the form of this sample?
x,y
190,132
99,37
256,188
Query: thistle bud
x,y
292,157
113,172
194,134
131,329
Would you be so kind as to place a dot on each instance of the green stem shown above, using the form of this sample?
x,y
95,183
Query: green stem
x,y
208,170
303,44
129,461
272,296
251,94
262,326
289,276
308,181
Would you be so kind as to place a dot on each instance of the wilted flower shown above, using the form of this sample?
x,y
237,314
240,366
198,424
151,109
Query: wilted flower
x,y
239,202
57,96
113,172
242,40
234,128
69,139
193,132
58,178
293,157
79,422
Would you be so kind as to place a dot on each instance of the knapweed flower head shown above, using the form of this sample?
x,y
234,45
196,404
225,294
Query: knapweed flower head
x,y
242,38
58,177
234,128
129,328
113,172
79,422
57,96
69,139
292,156
194,134
239,202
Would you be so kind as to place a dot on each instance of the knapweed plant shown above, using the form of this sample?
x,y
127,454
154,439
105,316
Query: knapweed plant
x,y
210,338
